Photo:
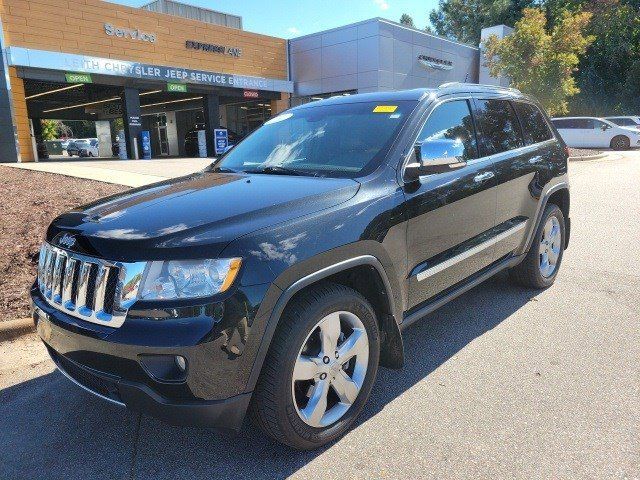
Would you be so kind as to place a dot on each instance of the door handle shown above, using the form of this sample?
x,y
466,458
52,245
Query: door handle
x,y
481,177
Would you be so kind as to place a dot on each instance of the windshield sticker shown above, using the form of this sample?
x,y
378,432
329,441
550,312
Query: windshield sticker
x,y
394,115
385,108
279,118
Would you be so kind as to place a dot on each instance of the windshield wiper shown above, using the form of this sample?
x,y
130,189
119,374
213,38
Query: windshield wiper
x,y
279,170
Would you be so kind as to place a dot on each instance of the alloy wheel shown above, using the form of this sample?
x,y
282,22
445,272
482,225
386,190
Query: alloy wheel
x,y
550,245
330,369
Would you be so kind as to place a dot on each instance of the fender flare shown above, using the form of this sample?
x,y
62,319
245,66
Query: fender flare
x,y
543,204
390,323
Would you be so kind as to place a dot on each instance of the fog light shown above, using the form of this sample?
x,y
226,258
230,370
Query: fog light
x,y
181,362
165,368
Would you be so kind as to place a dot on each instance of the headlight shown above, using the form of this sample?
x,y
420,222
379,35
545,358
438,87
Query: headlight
x,y
173,279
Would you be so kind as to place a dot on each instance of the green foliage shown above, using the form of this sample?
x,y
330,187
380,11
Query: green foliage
x,y
463,20
406,19
542,63
49,129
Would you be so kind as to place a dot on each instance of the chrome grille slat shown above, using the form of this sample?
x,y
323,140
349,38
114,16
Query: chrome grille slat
x,y
101,288
67,286
56,287
83,285
77,284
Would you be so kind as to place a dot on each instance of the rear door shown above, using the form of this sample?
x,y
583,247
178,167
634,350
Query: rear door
x,y
519,172
449,213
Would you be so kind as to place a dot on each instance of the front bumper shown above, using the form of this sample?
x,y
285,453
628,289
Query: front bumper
x,y
220,350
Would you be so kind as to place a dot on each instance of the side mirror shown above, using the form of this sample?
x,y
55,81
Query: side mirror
x,y
605,127
435,156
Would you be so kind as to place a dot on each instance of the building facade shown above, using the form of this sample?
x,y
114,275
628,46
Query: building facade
x,y
173,69
376,55
98,61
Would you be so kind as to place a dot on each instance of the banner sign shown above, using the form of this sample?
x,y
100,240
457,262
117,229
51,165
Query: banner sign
x,y
26,57
176,87
77,77
222,140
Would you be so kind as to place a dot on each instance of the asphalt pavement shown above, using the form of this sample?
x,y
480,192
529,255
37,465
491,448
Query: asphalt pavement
x,y
504,382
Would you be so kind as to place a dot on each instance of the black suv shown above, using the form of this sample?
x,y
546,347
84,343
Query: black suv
x,y
278,279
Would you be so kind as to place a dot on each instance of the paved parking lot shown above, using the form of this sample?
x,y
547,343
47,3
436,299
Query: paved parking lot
x,y
502,383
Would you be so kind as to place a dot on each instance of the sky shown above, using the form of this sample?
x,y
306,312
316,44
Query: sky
x,y
292,18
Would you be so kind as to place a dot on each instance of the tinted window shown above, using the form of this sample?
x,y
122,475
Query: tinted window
x,y
340,140
534,126
498,125
624,122
451,120
574,123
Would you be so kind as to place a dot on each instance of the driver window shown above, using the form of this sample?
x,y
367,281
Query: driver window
x,y
451,121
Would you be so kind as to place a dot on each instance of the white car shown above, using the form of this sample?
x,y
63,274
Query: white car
x,y
625,121
85,147
592,132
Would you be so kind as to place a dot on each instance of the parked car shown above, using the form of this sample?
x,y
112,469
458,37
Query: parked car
x,y
191,139
591,132
83,147
279,278
65,143
630,121
89,148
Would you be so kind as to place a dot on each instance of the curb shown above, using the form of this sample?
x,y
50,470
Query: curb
x,y
12,329
589,157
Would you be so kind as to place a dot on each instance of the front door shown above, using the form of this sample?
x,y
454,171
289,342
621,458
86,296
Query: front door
x,y
449,214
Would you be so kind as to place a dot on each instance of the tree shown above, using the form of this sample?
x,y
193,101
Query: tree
x,y
406,19
608,72
53,129
462,20
539,62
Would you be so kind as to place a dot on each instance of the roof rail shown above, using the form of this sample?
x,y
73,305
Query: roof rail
x,y
479,85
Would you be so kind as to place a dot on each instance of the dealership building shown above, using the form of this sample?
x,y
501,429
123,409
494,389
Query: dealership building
x,y
169,69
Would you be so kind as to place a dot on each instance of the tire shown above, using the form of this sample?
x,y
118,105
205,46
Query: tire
x,y
532,271
278,402
620,142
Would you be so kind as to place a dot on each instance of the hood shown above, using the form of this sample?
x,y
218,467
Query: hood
x,y
194,216
633,130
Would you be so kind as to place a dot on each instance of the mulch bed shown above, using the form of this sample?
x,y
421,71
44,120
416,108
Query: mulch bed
x,y
30,201
583,152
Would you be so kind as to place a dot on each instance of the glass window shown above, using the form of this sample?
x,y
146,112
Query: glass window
x,y
534,126
599,124
498,125
339,140
623,122
452,120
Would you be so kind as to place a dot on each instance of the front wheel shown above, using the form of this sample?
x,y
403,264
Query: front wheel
x,y
540,266
320,368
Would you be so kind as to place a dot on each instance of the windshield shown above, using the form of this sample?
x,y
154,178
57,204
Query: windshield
x,y
345,140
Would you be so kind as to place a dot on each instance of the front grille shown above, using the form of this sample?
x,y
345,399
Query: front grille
x,y
84,287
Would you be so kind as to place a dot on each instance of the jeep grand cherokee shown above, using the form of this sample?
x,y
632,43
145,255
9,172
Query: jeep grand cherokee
x,y
278,279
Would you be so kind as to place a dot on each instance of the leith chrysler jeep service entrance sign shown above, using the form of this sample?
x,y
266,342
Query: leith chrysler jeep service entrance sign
x,y
26,57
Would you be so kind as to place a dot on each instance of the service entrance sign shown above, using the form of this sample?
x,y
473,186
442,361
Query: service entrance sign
x,y
222,140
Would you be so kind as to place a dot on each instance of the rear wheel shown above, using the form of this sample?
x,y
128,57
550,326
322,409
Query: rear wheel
x,y
620,142
320,367
540,266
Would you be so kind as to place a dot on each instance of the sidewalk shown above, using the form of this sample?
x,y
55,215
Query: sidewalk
x,y
132,173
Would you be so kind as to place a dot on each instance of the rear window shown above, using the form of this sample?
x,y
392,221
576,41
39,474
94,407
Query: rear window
x,y
498,125
574,123
623,122
534,126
